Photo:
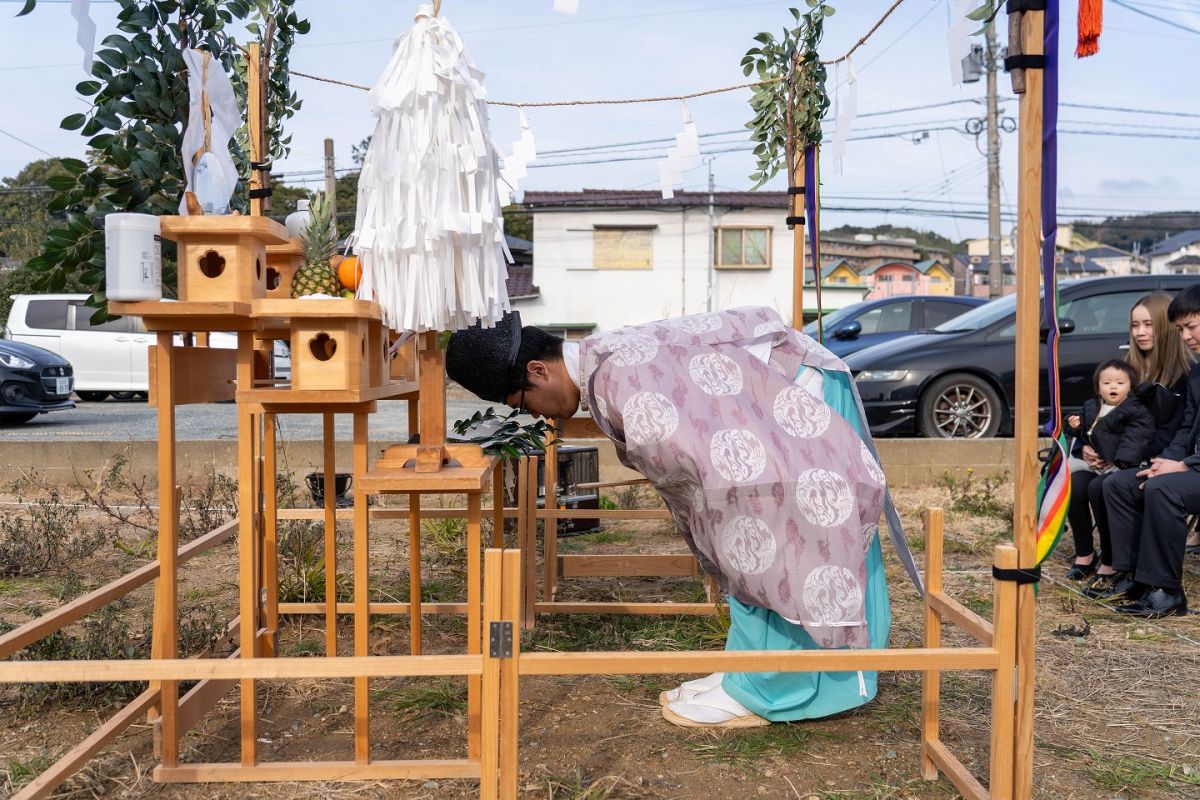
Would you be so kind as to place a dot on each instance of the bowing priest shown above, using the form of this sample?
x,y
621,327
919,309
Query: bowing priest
x,y
753,434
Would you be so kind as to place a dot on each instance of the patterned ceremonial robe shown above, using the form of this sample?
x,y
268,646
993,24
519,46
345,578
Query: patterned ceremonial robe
x,y
777,496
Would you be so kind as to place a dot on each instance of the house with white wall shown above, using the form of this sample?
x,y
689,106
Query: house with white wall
x,y
1177,254
607,258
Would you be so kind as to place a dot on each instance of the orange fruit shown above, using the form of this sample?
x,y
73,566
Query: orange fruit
x,y
349,272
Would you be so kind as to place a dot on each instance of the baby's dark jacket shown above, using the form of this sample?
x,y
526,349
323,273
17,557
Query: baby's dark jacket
x,y
1123,436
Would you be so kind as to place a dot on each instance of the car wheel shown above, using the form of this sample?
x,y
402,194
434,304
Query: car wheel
x,y
124,395
960,406
93,397
16,419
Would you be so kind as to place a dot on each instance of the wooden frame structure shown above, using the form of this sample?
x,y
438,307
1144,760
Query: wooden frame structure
x,y
501,602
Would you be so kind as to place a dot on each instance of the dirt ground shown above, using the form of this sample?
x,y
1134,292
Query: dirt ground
x,y
1118,709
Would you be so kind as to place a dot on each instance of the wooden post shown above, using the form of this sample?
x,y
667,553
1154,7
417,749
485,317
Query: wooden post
x,y
1004,630
510,676
362,588
489,755
432,383
474,623
254,123
247,537
796,209
329,501
165,642
527,486
1025,418
498,504
550,520
931,682
270,556
414,573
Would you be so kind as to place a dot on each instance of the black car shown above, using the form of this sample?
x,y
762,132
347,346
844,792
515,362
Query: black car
x,y
32,381
958,379
859,325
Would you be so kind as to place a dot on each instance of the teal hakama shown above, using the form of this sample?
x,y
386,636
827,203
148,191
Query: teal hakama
x,y
790,696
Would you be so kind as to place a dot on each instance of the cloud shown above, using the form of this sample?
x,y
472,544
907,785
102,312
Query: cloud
x,y
1138,185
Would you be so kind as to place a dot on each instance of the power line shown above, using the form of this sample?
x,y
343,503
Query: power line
x,y
1163,20
28,144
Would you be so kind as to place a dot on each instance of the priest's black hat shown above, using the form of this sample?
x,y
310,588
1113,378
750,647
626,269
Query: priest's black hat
x,y
481,360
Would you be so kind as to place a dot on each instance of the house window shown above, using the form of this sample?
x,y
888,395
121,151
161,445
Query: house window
x,y
906,278
885,278
623,248
742,248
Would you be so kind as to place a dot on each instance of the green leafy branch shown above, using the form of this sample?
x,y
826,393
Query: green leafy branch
x,y
791,99
503,435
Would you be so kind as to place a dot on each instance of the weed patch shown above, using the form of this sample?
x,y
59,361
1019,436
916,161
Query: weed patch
x,y
977,496
746,749
44,537
442,698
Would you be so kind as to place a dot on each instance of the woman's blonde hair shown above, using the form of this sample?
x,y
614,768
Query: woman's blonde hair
x,y
1169,360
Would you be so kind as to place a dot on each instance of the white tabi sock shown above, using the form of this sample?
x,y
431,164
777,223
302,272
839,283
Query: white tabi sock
x,y
711,708
689,689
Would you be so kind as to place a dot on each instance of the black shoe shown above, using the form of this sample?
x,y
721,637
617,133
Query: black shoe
x,y
1118,586
1156,603
1078,571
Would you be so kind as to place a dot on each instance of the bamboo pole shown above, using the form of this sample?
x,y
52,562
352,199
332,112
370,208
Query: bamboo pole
x,y
797,210
1025,420
270,560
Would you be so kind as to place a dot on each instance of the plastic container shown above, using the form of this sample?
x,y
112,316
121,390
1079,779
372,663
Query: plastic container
x,y
133,256
298,220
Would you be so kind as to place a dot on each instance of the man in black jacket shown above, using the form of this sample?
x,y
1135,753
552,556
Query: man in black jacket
x,y
1148,509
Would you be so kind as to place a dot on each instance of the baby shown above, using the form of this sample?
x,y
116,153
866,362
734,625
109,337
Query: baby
x,y
1115,423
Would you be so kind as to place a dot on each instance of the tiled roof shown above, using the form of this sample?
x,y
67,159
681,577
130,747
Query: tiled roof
x,y
828,269
871,270
1184,261
520,282
633,198
1173,243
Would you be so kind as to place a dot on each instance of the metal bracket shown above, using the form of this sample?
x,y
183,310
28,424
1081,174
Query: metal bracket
x,y
500,640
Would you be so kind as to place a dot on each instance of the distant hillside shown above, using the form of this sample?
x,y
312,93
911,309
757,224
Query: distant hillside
x,y
1145,230
925,239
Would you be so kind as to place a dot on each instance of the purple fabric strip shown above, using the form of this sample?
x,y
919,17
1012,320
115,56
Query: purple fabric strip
x,y
1050,207
810,208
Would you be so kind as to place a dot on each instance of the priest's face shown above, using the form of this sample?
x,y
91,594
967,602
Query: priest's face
x,y
550,391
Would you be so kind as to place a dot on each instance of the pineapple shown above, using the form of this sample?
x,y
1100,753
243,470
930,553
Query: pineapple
x,y
320,245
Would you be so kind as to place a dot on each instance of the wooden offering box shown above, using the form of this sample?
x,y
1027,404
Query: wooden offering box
x,y
334,342
223,258
283,260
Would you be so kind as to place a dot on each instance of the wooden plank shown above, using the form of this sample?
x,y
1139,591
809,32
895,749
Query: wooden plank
x,y
958,774
1026,468
341,308
24,635
247,533
384,609
319,771
706,661
602,514
1002,774
165,627
202,375
414,573
797,210
510,512
931,680
493,612
270,559
44,784
950,610
510,676
474,616
262,228
329,507
527,492
362,588
583,487
577,566
406,481
550,515
189,669
606,607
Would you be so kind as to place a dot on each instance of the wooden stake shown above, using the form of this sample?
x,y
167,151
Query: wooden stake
x,y
931,681
489,755
498,504
510,677
362,588
1025,418
247,535
474,622
1004,623
165,642
414,573
270,565
550,520
433,391
329,501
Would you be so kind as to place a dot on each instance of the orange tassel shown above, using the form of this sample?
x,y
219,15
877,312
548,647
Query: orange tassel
x,y
1091,20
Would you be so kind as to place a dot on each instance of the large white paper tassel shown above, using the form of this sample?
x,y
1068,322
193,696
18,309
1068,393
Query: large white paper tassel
x,y
429,231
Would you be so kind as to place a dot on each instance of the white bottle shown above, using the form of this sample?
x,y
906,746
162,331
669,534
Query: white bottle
x,y
298,220
133,257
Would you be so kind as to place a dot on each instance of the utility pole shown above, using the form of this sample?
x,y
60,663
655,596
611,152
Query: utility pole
x,y
712,235
995,254
330,182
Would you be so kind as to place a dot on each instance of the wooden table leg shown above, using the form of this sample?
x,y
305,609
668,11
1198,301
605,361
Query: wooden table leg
x,y
270,555
362,587
165,643
414,573
527,490
330,504
474,620
498,505
247,535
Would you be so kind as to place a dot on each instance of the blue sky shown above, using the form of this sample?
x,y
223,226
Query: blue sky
x,y
627,48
